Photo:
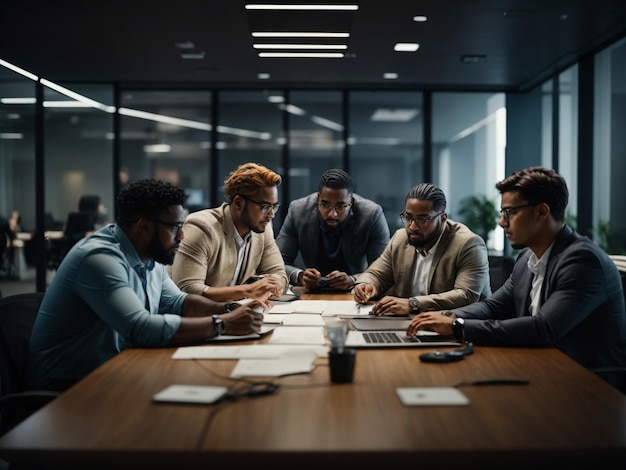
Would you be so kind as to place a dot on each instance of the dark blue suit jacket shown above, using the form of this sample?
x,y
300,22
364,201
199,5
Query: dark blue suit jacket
x,y
581,309
363,238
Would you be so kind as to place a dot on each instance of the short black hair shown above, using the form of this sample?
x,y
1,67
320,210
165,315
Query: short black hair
x,y
336,179
537,184
147,198
428,192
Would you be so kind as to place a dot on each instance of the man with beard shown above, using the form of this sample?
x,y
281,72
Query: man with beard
x,y
433,263
564,291
229,252
336,232
112,291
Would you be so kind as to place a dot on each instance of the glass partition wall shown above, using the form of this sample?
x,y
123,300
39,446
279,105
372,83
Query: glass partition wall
x,y
388,140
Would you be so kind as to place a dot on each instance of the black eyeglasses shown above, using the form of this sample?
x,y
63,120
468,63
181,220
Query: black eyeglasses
x,y
176,227
338,208
505,212
419,221
265,207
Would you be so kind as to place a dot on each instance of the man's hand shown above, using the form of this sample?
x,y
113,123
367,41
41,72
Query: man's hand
x,y
431,321
311,278
244,320
265,288
363,293
339,280
389,305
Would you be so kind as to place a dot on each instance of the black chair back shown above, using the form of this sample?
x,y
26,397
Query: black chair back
x,y
17,317
500,268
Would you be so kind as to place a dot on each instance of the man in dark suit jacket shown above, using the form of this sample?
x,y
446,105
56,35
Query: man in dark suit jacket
x,y
336,232
564,291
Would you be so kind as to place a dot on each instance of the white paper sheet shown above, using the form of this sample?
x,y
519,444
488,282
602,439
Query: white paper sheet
x,y
298,335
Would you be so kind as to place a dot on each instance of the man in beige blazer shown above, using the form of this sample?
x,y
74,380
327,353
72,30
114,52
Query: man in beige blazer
x,y
229,252
433,263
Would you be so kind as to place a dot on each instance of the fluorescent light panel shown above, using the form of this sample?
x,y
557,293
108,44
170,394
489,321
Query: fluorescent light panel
x,y
301,34
394,115
406,47
301,46
273,6
307,55
18,100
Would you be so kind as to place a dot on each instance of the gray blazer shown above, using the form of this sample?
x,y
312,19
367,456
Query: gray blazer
x,y
363,238
581,308
459,273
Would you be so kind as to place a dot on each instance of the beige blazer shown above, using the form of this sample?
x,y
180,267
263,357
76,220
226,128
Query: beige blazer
x,y
207,256
459,274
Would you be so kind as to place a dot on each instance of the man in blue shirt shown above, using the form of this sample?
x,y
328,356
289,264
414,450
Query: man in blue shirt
x,y
112,291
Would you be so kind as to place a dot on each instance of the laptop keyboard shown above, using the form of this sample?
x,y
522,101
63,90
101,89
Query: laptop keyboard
x,y
385,337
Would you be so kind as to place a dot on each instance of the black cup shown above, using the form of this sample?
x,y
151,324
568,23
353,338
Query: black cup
x,y
341,364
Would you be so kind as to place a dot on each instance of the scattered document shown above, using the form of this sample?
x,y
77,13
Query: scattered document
x,y
295,362
252,351
328,308
298,335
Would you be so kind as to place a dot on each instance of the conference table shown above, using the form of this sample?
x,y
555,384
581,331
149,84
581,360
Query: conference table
x,y
565,416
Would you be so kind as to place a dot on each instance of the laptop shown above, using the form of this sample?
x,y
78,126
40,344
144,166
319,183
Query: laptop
x,y
384,332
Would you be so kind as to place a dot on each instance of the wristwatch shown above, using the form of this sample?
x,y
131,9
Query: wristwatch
x,y
218,325
415,305
449,313
230,306
458,330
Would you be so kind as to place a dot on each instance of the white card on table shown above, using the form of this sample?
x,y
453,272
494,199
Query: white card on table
x,y
190,394
428,396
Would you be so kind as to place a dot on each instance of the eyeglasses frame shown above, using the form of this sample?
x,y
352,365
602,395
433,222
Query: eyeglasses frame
x,y
265,207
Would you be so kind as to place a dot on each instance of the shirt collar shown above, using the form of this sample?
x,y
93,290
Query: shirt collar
x,y
432,248
538,265
131,252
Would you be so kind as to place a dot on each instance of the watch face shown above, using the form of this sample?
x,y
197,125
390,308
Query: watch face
x,y
413,303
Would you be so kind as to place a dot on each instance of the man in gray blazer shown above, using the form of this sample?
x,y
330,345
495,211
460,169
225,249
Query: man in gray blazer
x,y
564,291
336,232
433,263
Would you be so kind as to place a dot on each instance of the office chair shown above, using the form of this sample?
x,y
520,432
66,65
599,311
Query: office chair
x,y
500,268
17,317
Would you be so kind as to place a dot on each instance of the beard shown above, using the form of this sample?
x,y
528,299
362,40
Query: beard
x,y
427,238
159,253
245,218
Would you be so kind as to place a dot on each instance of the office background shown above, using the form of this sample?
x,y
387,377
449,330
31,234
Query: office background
x,y
463,136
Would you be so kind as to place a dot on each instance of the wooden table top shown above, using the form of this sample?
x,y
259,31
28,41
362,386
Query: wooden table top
x,y
565,415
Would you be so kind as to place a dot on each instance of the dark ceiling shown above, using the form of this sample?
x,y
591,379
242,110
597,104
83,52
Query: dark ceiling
x,y
133,43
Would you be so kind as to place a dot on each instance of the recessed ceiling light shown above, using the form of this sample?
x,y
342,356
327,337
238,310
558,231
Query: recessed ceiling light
x,y
394,115
390,76
267,6
263,76
18,100
306,55
406,47
420,18
300,46
300,34
276,99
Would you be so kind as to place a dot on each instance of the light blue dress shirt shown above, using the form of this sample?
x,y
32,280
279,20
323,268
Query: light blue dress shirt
x,y
101,300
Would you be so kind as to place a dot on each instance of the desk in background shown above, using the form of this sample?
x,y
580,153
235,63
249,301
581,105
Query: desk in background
x,y
565,417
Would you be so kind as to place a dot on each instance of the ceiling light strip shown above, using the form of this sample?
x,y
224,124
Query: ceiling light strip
x,y
165,119
21,71
77,97
302,55
274,6
301,46
301,34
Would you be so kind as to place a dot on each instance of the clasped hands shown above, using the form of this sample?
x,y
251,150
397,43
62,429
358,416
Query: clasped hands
x,y
311,279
